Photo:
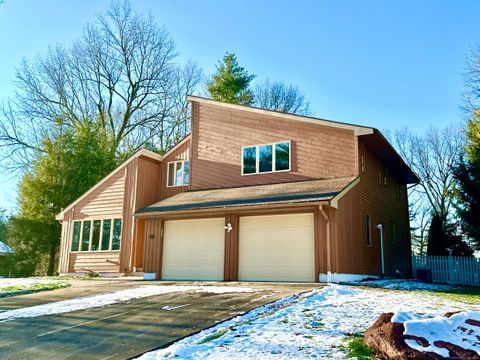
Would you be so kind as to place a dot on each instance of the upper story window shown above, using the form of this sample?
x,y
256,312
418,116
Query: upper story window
x,y
266,158
178,173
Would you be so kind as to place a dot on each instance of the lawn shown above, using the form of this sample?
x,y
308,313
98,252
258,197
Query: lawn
x,y
21,286
324,323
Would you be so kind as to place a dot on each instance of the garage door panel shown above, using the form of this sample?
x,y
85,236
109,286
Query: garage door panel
x,y
277,248
194,249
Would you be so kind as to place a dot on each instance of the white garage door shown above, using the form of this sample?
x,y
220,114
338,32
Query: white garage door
x,y
193,249
277,248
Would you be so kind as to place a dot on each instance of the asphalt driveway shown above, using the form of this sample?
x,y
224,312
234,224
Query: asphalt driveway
x,y
128,329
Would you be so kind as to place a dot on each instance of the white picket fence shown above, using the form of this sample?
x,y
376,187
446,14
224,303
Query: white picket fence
x,y
454,270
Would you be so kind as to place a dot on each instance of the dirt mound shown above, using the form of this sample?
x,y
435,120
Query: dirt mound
x,y
388,340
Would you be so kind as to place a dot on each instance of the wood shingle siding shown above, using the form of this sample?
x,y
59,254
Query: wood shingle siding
x,y
102,262
107,200
218,134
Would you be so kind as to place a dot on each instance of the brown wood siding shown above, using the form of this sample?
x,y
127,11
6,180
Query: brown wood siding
x,y
128,228
348,246
105,200
218,135
153,250
231,248
181,153
380,202
66,235
102,262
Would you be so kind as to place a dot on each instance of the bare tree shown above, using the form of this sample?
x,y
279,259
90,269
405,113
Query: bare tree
x,y
433,157
471,97
281,97
420,218
121,73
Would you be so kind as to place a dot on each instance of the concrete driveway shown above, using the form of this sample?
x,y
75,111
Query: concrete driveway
x,y
128,329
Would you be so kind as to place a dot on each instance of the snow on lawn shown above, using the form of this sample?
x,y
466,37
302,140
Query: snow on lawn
x,y
408,285
4,282
457,329
20,286
305,326
110,298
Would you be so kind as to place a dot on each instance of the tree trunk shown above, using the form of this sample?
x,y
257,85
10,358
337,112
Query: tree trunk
x,y
51,261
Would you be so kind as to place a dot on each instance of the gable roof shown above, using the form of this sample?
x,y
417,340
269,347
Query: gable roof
x,y
281,193
374,139
141,152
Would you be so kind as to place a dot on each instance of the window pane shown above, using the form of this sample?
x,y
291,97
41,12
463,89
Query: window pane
x,y
96,235
76,235
117,232
171,173
107,225
249,160
178,173
265,158
282,156
186,172
86,235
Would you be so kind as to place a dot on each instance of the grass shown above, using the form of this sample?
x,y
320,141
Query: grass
x,y
356,348
16,290
213,336
465,295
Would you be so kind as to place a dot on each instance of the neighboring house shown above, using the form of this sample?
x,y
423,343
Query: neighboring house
x,y
252,195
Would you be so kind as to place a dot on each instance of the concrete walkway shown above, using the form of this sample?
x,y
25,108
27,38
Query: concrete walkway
x,y
127,329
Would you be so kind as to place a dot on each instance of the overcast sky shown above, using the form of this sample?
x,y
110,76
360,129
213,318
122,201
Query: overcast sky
x,y
385,64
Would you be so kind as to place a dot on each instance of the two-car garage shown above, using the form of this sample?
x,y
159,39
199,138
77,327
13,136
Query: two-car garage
x,y
270,248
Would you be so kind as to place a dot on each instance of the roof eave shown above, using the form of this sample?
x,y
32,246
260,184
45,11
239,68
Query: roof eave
x,y
223,209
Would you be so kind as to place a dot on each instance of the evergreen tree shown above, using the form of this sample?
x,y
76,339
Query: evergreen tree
x,y
436,241
72,162
444,240
231,82
468,177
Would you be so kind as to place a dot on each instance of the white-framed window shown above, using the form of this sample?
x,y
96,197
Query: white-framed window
x,y
266,158
96,235
178,173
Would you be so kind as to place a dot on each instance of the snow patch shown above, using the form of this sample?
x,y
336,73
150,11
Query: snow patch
x,y
305,326
454,330
407,285
6,282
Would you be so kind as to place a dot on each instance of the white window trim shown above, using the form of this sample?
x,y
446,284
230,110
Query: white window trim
x,y
183,173
257,158
102,219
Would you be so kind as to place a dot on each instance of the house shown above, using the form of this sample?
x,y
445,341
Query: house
x,y
250,195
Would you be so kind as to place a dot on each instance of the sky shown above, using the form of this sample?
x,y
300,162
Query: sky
x,y
385,64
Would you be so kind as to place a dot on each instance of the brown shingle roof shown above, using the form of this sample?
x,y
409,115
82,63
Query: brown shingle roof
x,y
293,192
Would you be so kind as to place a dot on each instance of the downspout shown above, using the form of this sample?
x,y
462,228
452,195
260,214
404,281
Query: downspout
x,y
329,261
380,228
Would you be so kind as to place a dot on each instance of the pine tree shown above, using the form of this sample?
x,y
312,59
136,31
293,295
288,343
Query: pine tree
x,y
231,82
436,240
468,177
